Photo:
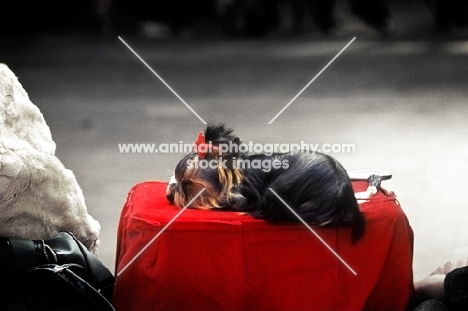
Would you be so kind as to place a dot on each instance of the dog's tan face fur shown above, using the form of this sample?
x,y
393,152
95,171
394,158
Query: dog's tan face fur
x,y
217,184
39,197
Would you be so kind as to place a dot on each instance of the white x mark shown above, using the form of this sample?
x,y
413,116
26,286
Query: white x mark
x,y
159,233
311,81
162,80
315,233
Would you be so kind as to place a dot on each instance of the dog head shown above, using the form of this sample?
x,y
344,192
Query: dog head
x,y
211,168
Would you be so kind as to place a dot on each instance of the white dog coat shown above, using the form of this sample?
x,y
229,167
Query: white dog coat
x,y
39,197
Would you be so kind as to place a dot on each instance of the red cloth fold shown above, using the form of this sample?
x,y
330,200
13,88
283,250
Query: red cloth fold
x,y
211,260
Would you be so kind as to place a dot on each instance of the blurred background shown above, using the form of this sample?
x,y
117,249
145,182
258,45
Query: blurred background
x,y
398,93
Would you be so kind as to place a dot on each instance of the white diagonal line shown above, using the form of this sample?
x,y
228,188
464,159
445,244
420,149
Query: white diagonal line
x,y
159,233
315,233
162,80
311,81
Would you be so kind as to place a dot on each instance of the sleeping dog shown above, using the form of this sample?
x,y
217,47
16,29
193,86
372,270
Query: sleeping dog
x,y
314,185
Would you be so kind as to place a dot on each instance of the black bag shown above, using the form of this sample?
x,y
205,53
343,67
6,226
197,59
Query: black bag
x,y
54,274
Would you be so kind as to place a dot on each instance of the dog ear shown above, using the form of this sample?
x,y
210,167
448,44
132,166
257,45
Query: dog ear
x,y
222,144
229,152
218,133
348,210
188,188
170,191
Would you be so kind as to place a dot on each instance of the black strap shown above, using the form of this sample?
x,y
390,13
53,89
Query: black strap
x,y
100,277
68,249
57,287
24,254
20,257
7,271
86,290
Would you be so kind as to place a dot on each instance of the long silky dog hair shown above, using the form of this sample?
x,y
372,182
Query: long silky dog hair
x,y
314,185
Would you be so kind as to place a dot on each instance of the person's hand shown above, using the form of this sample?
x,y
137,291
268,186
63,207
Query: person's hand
x,y
432,287
450,265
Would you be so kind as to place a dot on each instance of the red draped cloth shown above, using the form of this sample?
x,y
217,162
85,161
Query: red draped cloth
x,y
212,260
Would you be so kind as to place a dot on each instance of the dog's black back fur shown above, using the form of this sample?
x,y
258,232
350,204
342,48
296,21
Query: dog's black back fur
x,y
315,185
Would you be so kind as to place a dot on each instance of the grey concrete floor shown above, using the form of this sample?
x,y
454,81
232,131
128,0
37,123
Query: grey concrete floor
x,y
401,100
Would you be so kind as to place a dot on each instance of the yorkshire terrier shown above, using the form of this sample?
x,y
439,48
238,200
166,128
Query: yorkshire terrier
x,y
314,185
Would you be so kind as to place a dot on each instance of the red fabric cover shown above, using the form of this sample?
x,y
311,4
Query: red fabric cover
x,y
211,260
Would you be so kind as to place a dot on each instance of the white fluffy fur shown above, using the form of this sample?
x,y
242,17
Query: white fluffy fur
x,y
39,197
